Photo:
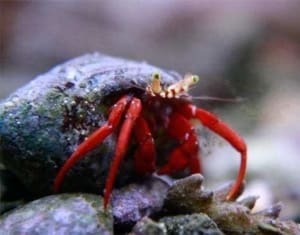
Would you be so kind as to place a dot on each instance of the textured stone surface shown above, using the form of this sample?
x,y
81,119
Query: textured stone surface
x,y
232,217
194,224
146,226
133,202
78,214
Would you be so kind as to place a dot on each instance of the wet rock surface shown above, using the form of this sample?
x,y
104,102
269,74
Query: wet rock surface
x,y
78,214
149,227
232,217
135,201
130,204
191,224
149,208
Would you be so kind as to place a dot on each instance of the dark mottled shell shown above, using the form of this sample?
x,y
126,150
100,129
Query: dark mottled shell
x,y
42,123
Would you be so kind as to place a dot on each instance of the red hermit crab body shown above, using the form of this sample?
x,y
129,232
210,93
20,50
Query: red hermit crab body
x,y
141,117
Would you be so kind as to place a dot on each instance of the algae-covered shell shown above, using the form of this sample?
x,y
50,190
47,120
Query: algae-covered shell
x,y
42,123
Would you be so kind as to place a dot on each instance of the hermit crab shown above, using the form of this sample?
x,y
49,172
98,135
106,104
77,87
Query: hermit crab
x,y
139,117
109,119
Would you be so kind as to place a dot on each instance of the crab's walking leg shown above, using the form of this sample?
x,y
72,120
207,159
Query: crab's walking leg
x,y
93,140
216,125
145,155
186,154
131,115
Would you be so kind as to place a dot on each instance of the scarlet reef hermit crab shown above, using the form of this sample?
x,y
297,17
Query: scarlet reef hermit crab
x,y
121,107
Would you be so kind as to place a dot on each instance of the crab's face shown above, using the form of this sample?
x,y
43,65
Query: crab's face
x,y
160,100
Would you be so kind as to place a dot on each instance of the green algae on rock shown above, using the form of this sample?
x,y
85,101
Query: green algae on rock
x,y
42,123
59,214
191,224
147,226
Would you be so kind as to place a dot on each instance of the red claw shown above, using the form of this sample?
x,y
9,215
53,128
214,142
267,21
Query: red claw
x,y
93,140
145,156
221,128
132,114
186,154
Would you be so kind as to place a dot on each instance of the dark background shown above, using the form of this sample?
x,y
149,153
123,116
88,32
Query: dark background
x,y
246,49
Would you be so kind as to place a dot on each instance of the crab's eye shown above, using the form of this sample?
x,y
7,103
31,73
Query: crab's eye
x,y
156,76
195,79
189,80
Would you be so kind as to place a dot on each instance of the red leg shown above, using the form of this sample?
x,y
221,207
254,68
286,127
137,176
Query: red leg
x,y
93,140
132,114
216,125
186,154
145,155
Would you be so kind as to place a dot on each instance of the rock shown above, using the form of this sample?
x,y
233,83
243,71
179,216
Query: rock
x,y
146,226
232,217
59,214
193,224
135,201
129,204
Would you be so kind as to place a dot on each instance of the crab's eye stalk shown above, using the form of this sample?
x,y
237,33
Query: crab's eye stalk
x,y
156,83
189,80
156,76
195,79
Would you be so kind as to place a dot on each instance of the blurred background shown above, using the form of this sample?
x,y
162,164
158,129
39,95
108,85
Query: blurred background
x,y
248,49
